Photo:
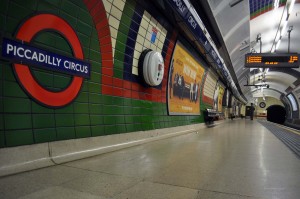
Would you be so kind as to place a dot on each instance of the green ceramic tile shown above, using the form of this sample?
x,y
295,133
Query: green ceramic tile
x,y
46,7
19,12
120,119
118,74
127,101
61,81
83,131
84,39
118,110
84,16
95,108
129,127
18,121
82,97
43,121
66,109
94,55
84,28
2,139
84,86
108,110
82,119
96,76
94,45
69,7
136,111
96,119
129,119
120,46
9,72
16,105
122,38
94,87
95,98
81,107
37,108
110,129
118,64
121,128
98,130
18,137
137,119
64,133
107,100
12,89
109,120
44,135
70,19
129,8
12,25
124,29
54,2
2,121
64,120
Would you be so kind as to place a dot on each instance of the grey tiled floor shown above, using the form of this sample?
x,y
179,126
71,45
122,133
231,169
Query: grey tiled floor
x,y
235,160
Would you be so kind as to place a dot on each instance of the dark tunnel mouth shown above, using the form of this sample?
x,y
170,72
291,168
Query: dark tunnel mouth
x,y
276,114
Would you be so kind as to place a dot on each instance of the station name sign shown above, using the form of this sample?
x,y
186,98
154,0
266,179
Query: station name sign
x,y
24,53
271,60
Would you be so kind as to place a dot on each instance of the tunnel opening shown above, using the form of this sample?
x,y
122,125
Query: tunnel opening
x,y
276,114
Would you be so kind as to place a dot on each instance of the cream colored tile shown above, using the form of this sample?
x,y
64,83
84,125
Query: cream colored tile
x,y
119,4
113,42
140,39
113,32
147,16
138,47
142,31
116,13
160,45
107,5
136,55
135,70
144,23
147,44
114,22
136,61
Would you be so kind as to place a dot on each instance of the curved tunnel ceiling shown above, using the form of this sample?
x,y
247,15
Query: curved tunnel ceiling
x,y
241,23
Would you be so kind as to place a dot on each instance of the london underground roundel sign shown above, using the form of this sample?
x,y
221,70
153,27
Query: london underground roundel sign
x,y
32,26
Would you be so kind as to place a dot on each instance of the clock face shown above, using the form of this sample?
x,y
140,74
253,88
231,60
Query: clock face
x,y
262,105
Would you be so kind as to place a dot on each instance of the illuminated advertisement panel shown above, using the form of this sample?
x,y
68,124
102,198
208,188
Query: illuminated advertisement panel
x,y
185,77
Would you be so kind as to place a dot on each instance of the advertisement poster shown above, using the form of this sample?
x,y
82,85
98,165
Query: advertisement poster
x,y
185,78
218,97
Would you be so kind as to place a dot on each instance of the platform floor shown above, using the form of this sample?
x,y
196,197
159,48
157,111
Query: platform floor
x,y
238,159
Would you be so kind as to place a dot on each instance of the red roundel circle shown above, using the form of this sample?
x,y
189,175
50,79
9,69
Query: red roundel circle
x,y
27,31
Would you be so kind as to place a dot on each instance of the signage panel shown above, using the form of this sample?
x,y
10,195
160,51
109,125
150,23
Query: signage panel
x,y
24,53
271,60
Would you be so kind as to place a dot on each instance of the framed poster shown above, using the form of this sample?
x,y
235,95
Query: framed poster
x,y
185,79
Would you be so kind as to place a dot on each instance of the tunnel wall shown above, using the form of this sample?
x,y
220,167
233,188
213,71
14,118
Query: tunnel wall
x,y
112,35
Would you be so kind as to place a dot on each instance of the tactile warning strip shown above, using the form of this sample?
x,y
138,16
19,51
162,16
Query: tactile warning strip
x,y
290,139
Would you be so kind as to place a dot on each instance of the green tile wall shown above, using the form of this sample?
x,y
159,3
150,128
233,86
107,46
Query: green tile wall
x,y
23,121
